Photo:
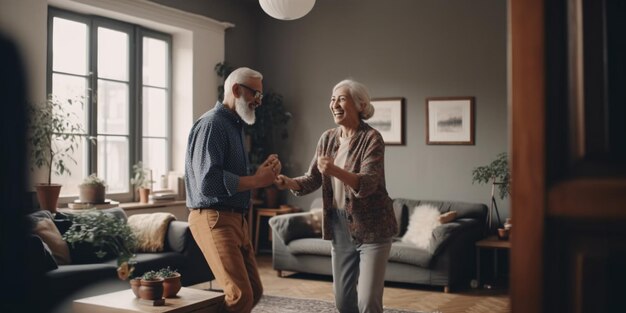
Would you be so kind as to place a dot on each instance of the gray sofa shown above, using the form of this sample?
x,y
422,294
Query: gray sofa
x,y
73,280
449,261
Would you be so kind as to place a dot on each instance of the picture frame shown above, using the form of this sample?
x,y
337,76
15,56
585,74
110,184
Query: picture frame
x,y
388,119
450,120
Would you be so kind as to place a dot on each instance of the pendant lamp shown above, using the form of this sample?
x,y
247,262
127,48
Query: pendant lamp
x,y
287,9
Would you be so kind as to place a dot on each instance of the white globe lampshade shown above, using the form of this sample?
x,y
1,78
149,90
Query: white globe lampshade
x,y
287,9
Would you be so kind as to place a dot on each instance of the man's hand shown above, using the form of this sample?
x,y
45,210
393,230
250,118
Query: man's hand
x,y
284,182
264,176
273,162
326,165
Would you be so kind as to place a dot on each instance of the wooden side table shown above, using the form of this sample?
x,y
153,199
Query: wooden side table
x,y
495,244
268,212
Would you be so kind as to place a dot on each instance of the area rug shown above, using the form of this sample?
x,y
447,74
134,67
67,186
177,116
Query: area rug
x,y
274,304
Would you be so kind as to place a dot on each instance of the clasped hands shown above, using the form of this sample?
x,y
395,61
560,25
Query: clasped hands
x,y
325,165
269,169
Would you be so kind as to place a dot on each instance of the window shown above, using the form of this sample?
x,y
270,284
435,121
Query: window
x,y
121,73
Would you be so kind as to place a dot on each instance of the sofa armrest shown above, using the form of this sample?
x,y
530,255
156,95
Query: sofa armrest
x,y
178,236
293,226
444,233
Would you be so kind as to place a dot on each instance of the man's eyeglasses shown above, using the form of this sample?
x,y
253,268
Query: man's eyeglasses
x,y
257,94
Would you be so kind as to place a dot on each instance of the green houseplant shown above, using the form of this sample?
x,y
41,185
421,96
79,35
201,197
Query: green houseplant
x,y
142,181
107,234
498,174
54,136
92,189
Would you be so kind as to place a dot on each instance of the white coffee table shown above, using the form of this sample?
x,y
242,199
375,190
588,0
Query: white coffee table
x,y
188,300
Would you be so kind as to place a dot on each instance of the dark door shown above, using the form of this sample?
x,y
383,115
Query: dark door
x,y
568,97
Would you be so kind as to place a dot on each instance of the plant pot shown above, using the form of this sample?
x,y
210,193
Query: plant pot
x,y
92,194
135,283
151,289
144,194
48,196
171,286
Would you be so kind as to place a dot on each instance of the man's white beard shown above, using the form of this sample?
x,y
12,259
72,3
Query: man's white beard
x,y
244,111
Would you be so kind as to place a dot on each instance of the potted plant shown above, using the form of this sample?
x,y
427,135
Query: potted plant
x,y
497,173
54,134
92,190
108,235
264,135
171,281
151,286
142,181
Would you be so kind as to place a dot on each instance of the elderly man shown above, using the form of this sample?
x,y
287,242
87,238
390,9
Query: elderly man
x,y
218,189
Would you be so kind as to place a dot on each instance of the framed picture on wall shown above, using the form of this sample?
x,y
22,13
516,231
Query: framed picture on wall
x,y
388,119
450,121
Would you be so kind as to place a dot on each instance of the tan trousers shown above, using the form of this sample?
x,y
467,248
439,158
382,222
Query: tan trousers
x,y
225,242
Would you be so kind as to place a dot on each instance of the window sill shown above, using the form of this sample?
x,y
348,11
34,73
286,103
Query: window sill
x,y
137,205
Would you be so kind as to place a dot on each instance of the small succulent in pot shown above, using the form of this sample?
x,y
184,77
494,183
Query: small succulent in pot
x,y
167,272
151,286
171,281
150,276
92,189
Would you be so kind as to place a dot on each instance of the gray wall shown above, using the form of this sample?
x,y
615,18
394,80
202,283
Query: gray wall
x,y
400,48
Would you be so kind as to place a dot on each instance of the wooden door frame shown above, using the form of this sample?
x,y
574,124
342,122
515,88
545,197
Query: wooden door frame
x,y
528,153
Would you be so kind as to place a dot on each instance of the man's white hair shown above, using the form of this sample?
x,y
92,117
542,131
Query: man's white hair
x,y
359,95
239,76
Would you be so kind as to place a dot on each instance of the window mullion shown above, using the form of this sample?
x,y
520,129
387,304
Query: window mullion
x,y
92,131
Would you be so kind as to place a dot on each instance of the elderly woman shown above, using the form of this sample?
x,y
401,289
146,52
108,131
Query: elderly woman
x,y
349,165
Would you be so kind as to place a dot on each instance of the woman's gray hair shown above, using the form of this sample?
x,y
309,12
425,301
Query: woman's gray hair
x,y
239,76
359,95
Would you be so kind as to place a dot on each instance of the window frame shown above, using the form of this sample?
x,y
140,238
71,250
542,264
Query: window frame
x,y
136,33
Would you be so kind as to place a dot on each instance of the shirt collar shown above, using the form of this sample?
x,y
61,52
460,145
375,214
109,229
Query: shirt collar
x,y
228,113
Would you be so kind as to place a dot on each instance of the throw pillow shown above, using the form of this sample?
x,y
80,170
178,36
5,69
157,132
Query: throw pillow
x,y
48,232
150,230
447,217
423,220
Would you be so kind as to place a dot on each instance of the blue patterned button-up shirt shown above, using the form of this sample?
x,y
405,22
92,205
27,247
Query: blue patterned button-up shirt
x,y
215,160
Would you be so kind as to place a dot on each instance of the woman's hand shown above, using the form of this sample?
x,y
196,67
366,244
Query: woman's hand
x,y
284,182
326,165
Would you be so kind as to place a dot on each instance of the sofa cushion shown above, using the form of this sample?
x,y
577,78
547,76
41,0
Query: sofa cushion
x,y
48,232
40,259
316,246
293,226
408,253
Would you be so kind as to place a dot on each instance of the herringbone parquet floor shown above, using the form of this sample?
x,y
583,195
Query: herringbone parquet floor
x,y
401,296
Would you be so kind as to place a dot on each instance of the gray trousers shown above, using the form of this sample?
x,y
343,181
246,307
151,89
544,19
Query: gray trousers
x,y
358,270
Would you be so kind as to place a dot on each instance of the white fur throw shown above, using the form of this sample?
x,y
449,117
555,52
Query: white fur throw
x,y
423,220
150,230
